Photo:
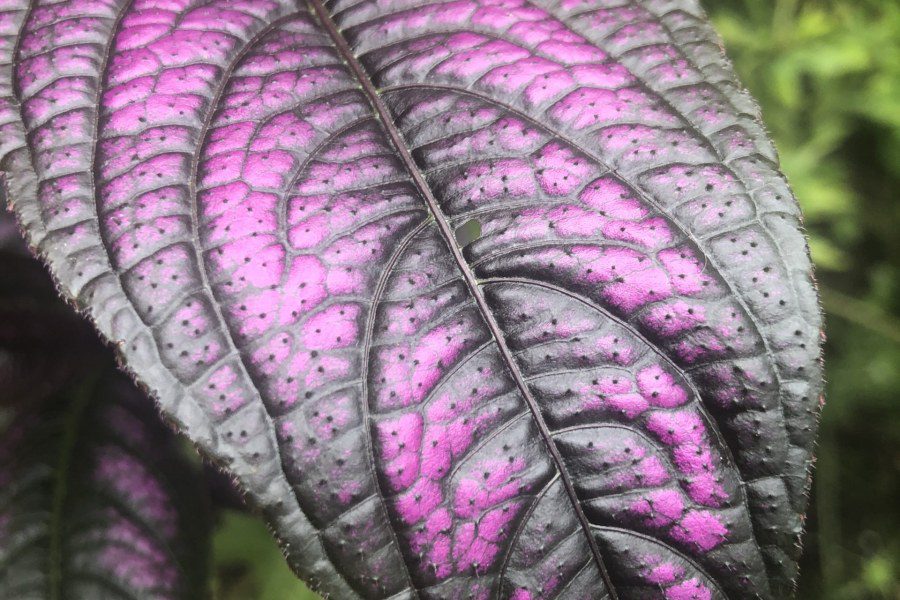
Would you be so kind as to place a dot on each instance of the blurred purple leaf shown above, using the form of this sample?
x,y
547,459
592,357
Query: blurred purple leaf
x,y
97,501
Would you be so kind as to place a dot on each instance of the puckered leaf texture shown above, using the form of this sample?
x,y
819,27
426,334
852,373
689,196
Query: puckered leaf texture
x,y
96,499
611,393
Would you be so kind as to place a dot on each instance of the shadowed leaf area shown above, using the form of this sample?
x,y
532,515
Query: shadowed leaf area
x,y
474,299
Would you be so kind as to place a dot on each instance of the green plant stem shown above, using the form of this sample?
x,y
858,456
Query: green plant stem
x,y
861,313
71,424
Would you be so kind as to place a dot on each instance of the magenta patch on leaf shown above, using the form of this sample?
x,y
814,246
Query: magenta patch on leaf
x,y
702,529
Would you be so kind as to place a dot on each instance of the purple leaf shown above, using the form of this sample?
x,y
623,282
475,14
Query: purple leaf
x,y
612,392
96,499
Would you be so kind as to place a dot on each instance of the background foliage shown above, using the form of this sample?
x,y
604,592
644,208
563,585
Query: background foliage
x,y
827,74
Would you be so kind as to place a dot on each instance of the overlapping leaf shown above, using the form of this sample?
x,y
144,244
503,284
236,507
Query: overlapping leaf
x,y
95,501
611,393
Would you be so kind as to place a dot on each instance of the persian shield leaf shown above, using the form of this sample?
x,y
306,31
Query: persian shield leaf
x,y
96,500
611,393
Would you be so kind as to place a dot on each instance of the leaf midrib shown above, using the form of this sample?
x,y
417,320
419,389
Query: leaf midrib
x,y
71,426
448,234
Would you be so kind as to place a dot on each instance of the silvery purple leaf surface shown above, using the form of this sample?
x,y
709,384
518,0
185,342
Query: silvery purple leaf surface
x,y
96,500
611,393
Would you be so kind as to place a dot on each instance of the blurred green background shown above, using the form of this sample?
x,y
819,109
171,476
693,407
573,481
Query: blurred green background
x,y
827,75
